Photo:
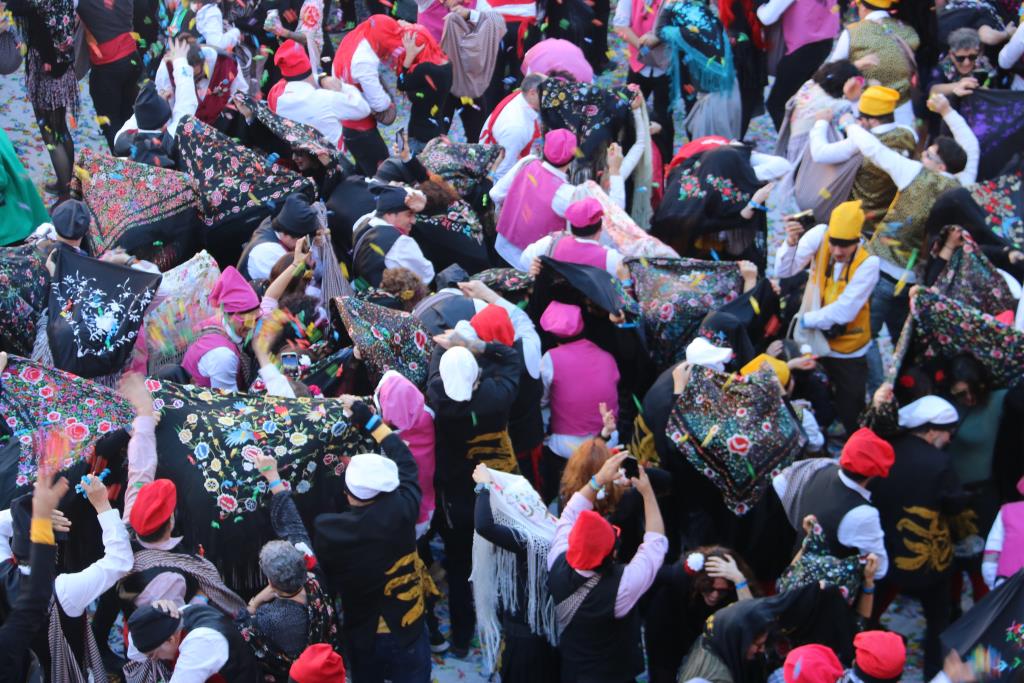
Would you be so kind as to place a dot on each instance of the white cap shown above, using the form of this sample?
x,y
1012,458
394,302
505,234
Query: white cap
x,y
928,410
459,371
702,352
368,474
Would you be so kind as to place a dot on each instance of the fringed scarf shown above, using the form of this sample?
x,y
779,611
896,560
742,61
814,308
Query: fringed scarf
x,y
207,578
146,210
516,505
64,668
699,43
620,231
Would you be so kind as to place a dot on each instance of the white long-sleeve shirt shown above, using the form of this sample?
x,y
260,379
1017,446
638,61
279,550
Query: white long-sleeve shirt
x,y
825,152
201,654
210,25
860,528
903,170
185,100
76,591
512,129
162,79
542,246
221,366
791,260
1010,55
321,108
404,253
561,200
772,11
993,548
365,70
523,330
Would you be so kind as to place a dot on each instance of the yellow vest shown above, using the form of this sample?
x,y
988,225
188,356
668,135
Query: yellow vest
x,y
858,331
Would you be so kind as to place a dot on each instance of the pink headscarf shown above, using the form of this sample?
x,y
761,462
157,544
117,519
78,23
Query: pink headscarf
x,y
402,406
233,293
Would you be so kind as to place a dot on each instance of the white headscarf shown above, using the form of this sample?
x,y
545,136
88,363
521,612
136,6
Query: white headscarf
x,y
459,371
702,352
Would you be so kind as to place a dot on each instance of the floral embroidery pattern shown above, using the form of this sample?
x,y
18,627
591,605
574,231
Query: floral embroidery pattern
x,y
461,164
733,449
1002,199
727,189
24,290
387,339
816,564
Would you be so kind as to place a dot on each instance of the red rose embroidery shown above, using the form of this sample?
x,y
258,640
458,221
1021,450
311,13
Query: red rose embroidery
x,y
46,392
77,432
738,444
251,453
32,375
153,385
103,427
665,313
227,503
420,339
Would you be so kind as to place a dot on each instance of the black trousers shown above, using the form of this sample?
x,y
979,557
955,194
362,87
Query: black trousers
x,y
456,529
848,378
509,64
937,609
367,147
793,71
472,115
113,88
658,85
551,467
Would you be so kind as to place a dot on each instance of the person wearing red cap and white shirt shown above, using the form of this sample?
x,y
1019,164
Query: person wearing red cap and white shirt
x,y
880,657
534,196
596,597
580,244
297,97
515,123
811,664
72,592
214,359
580,392
838,497
317,664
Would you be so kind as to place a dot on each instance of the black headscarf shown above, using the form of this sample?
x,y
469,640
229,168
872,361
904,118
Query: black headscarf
x,y
731,630
726,330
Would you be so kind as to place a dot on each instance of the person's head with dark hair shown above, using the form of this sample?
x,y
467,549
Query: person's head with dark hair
x,y
969,382
440,195
530,88
913,383
840,79
708,566
562,74
944,155
297,284
405,285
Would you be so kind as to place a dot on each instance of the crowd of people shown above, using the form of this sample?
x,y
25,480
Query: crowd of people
x,y
626,395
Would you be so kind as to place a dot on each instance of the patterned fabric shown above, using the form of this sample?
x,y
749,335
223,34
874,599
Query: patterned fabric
x,y
320,627
944,327
1003,201
996,117
34,399
146,210
95,313
971,279
699,45
183,303
63,665
736,432
508,282
815,565
461,164
594,114
298,136
903,229
24,292
230,179
460,219
894,43
205,574
675,295
620,231
387,339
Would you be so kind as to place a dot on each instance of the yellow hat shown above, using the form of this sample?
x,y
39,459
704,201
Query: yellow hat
x,y
880,4
846,221
878,101
780,367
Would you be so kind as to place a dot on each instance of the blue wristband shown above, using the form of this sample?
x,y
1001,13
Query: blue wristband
x,y
594,485
373,423
754,205
741,585
272,484
867,591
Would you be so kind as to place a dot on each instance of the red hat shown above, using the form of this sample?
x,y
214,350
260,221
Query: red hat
x,y
584,213
493,325
154,505
590,541
812,664
317,664
880,654
867,454
292,60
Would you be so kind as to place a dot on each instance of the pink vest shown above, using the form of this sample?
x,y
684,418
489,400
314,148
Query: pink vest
x,y
573,250
203,345
526,215
809,21
420,438
643,19
584,376
1011,557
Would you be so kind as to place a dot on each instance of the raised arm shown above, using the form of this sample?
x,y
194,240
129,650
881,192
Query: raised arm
x,y
142,454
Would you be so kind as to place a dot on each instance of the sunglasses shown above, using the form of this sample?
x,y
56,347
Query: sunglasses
x,y
960,59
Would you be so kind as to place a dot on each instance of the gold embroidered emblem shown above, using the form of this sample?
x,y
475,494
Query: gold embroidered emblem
x,y
493,449
409,582
935,547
